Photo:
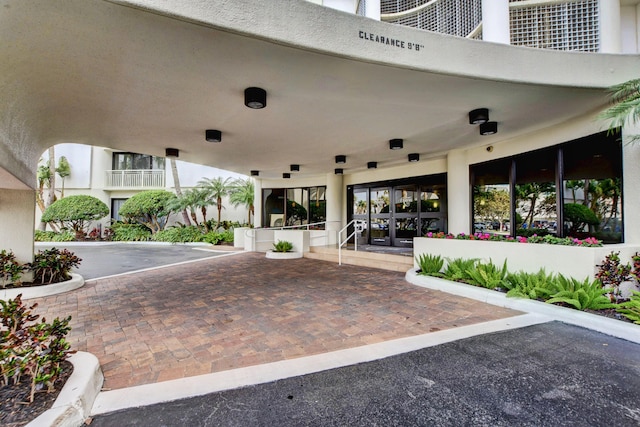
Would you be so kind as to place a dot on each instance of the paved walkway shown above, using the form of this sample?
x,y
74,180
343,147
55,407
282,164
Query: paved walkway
x,y
242,310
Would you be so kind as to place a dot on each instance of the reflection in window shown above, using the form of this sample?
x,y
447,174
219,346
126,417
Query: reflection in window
x,y
406,199
491,197
300,207
135,161
430,201
379,229
379,200
359,202
536,193
317,205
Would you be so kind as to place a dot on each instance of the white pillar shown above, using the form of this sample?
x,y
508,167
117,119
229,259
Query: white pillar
x,y
334,202
610,36
495,21
257,202
458,192
373,9
17,216
631,178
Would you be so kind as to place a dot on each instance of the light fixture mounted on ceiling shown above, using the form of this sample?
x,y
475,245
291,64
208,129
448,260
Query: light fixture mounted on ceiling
x,y
286,175
372,165
341,159
489,128
255,173
172,153
395,144
478,116
255,98
339,171
213,135
414,157
295,168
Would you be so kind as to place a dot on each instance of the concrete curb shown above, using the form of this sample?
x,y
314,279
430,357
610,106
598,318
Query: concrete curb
x,y
76,398
31,292
616,328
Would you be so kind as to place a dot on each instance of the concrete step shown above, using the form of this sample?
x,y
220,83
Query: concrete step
x,y
382,261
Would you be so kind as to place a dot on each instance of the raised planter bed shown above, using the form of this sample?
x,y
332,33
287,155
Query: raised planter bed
x,y
283,255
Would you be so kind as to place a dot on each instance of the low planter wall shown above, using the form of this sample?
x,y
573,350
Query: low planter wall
x,y
299,239
573,261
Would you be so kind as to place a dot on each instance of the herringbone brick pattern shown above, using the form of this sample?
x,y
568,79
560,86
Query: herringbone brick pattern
x,y
244,310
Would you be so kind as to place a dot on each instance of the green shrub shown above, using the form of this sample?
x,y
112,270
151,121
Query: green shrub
x,y
282,246
123,232
631,309
44,236
588,294
579,216
458,269
430,265
53,265
179,235
11,270
488,275
75,212
227,236
32,351
149,208
611,273
529,285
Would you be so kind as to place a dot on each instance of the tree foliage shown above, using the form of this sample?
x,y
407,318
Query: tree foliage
x,y
625,106
242,193
149,208
75,212
216,189
579,216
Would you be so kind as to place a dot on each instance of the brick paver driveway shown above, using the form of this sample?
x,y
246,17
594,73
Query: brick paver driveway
x,y
242,310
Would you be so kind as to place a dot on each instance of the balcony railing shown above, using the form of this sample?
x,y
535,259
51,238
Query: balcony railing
x,y
135,178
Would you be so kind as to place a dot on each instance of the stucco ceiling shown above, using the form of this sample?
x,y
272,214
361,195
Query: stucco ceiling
x,y
105,74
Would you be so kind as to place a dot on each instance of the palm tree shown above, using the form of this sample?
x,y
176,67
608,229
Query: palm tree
x,y
242,193
625,108
176,184
216,189
63,170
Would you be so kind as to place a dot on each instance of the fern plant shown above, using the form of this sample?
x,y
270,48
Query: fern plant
x,y
282,246
430,265
488,275
458,269
529,285
583,295
631,309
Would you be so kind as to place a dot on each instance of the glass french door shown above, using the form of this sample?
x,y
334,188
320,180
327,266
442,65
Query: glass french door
x,y
380,221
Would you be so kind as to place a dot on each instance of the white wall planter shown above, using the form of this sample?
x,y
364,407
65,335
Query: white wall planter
x,y
299,239
283,255
573,261
238,236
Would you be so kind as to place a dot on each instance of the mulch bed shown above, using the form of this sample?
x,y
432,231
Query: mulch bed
x,y
15,409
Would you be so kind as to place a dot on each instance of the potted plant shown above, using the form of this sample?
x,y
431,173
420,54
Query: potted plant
x,y
283,249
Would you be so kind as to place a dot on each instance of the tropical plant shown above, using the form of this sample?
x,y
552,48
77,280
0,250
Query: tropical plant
x,y
488,275
53,265
64,171
625,108
179,235
430,265
579,216
150,208
631,309
11,269
588,294
458,269
178,187
242,192
282,246
536,286
76,212
29,349
215,189
126,232
52,236
611,273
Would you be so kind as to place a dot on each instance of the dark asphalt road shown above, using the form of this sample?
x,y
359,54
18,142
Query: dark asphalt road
x,y
105,260
544,375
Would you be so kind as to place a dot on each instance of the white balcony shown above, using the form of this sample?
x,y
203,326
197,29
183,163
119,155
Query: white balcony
x,y
135,178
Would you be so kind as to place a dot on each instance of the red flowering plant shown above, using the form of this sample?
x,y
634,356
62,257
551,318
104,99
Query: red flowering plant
x,y
551,240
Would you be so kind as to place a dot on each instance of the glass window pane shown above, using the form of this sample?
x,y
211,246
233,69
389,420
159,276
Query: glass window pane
x,y
379,200
273,215
360,201
379,230
296,210
406,199
317,206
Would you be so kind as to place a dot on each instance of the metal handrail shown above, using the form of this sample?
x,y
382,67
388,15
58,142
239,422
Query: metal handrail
x,y
355,223
283,227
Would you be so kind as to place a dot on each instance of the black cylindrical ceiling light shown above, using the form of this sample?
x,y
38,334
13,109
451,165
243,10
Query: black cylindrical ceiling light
x,y
341,159
255,173
295,168
172,153
286,175
395,144
414,157
489,128
339,171
255,98
213,135
372,165
478,116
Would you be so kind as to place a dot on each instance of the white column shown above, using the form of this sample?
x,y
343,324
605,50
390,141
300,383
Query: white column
x,y
610,36
495,21
458,192
373,9
17,217
631,178
257,202
334,202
